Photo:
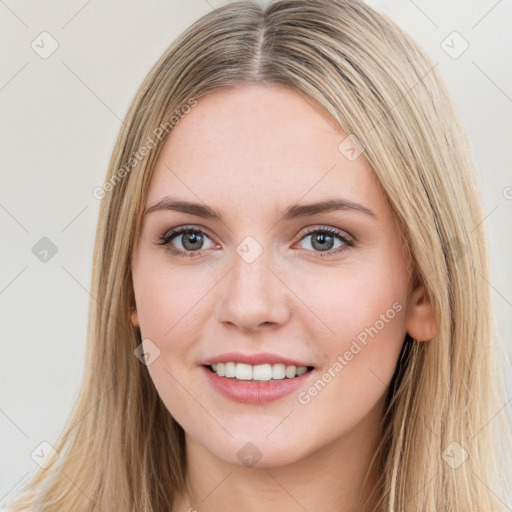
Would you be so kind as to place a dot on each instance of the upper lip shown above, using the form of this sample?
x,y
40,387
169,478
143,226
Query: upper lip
x,y
253,359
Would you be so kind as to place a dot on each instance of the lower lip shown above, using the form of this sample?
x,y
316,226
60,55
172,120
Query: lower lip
x,y
248,392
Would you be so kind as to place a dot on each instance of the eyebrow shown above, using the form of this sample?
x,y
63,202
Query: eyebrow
x,y
291,212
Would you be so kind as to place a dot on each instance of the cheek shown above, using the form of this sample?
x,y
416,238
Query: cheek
x,y
364,310
170,306
359,364
353,299
168,301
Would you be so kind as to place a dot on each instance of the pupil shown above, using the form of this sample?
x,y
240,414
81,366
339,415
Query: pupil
x,y
194,239
323,240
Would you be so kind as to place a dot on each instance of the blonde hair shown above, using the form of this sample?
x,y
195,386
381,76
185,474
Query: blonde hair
x,y
121,450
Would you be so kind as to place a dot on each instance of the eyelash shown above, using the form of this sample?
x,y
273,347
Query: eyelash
x,y
164,240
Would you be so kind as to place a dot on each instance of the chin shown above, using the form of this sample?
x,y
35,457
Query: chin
x,y
246,449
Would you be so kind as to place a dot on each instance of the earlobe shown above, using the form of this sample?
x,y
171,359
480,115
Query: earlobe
x,y
420,324
134,317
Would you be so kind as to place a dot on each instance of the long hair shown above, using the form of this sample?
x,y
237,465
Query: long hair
x,y
121,450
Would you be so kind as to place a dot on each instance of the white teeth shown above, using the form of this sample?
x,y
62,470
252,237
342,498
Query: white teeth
x,y
278,371
243,371
260,372
290,371
229,370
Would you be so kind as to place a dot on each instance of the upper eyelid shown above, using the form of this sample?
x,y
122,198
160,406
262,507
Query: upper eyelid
x,y
180,230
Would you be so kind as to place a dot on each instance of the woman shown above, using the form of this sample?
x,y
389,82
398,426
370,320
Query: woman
x,y
290,308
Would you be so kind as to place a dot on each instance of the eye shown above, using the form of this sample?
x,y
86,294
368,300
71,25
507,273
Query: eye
x,y
324,239
189,241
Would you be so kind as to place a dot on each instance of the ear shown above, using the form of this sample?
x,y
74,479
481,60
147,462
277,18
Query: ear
x,y
134,317
420,321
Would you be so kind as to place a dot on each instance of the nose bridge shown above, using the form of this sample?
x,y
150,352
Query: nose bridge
x,y
253,294
251,277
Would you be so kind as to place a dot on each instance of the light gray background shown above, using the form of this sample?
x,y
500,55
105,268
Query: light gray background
x,y
60,117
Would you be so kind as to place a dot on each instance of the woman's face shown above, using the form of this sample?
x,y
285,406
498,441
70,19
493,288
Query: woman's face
x,y
270,280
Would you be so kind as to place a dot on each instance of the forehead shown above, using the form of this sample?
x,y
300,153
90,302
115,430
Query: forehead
x,y
260,143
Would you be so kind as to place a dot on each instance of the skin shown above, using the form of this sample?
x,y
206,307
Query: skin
x,y
250,152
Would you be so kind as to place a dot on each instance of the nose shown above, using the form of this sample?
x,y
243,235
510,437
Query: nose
x,y
254,296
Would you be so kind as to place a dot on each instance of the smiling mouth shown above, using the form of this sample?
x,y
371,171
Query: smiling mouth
x,y
259,372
